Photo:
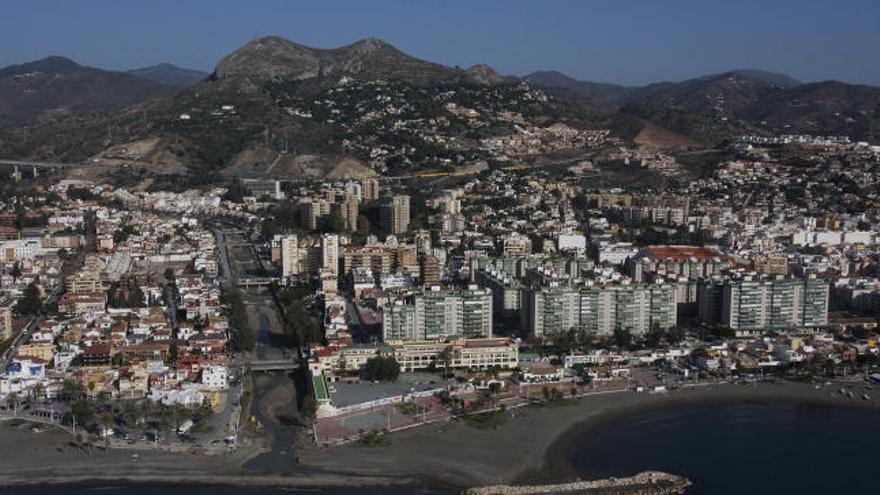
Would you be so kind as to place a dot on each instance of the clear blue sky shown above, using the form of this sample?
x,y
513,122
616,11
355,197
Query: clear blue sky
x,y
620,41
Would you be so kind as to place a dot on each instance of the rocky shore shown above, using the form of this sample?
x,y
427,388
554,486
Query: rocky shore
x,y
646,483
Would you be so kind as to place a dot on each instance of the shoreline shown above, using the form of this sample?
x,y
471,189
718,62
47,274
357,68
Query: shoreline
x,y
532,447
556,458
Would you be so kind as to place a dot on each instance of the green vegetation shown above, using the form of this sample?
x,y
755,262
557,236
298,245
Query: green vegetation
x,y
83,411
122,234
411,408
125,297
320,387
373,439
491,420
302,316
31,302
243,339
381,368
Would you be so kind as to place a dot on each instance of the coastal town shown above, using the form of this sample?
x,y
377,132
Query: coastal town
x,y
124,320
495,248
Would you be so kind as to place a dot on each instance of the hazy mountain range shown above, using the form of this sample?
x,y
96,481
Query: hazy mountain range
x,y
170,75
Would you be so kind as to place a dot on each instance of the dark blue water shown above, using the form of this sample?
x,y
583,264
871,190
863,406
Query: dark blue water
x,y
741,449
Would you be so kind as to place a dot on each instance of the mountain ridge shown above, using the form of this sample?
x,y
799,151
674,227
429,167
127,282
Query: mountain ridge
x,y
57,86
171,75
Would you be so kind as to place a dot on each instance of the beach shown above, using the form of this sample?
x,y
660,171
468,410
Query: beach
x,y
530,447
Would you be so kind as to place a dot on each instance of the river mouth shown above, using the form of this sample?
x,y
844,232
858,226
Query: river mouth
x,y
274,396
732,448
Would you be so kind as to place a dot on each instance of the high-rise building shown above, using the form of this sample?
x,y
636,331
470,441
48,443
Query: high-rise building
x,y
5,320
431,270
290,259
755,303
370,189
354,189
377,258
311,212
349,212
395,214
598,309
438,314
330,253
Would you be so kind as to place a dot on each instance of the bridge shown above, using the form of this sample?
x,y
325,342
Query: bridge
x,y
35,165
256,282
273,365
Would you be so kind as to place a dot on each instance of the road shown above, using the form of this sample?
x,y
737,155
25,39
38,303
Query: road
x,y
26,332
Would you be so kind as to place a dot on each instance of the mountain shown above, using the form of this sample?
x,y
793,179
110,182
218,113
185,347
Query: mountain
x,y
560,84
772,78
744,101
170,75
303,110
719,106
300,112
272,58
56,86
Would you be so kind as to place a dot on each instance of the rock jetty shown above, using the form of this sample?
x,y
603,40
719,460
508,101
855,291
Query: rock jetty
x,y
646,483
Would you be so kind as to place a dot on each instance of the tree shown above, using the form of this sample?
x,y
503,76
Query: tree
x,y
15,272
31,302
675,335
566,341
106,422
71,390
445,358
38,392
623,338
382,368
146,410
136,297
83,411
652,339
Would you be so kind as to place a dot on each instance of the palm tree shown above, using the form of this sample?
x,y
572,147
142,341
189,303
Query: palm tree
x,y
38,392
445,357
146,410
16,402
106,423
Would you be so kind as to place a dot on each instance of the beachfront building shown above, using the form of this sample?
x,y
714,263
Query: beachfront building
x,y
439,313
457,353
756,303
462,353
598,309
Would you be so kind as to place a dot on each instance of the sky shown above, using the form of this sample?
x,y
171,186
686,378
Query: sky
x,y
629,42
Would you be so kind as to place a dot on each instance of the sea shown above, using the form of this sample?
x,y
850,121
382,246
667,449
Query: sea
x,y
744,448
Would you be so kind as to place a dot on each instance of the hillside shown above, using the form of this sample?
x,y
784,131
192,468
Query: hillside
x,y
305,108
56,87
170,75
559,84
272,58
719,106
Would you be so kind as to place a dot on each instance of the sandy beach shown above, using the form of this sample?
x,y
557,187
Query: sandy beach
x,y
529,447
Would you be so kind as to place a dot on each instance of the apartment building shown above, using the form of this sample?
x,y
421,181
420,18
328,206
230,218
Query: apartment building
x,y
598,309
755,303
438,314
395,214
